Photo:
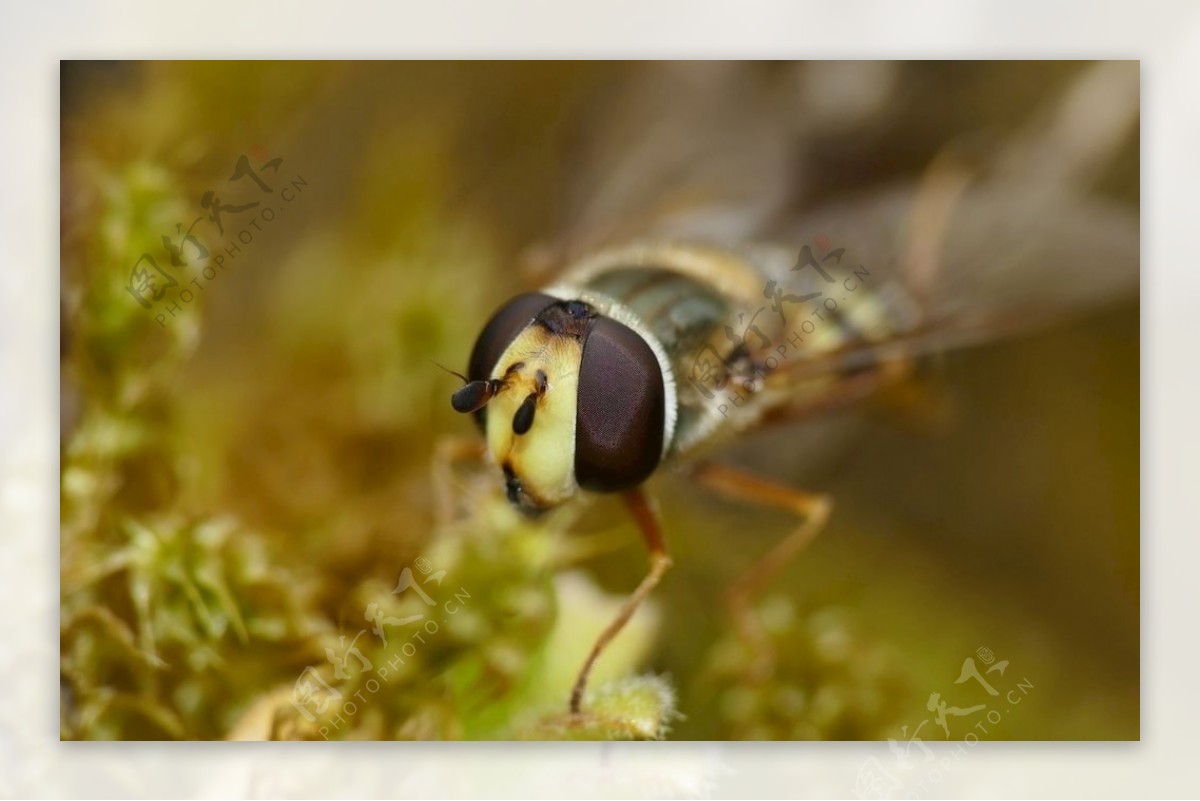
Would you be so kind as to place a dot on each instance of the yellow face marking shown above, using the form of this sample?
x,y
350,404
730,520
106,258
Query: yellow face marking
x,y
543,459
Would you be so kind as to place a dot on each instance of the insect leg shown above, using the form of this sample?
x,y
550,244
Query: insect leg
x,y
647,519
814,508
448,452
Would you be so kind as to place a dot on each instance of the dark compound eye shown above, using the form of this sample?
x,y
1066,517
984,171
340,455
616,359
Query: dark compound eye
x,y
621,411
500,332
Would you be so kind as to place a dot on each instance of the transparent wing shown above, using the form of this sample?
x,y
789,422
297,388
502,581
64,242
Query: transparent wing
x,y
990,227
1003,239
679,149
1009,257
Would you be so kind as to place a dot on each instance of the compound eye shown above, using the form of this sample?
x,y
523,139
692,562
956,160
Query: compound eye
x,y
621,409
500,331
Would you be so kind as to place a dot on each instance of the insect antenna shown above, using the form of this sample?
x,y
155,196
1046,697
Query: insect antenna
x,y
523,419
474,395
454,373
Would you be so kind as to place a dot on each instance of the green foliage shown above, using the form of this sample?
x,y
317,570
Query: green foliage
x,y
636,708
824,681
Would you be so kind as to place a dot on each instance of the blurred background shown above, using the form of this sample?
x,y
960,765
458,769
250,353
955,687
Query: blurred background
x,y
246,468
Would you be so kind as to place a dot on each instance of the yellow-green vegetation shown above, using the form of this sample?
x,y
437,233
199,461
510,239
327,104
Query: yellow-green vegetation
x,y
246,481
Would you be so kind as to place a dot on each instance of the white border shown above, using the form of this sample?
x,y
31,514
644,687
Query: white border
x,y
1165,35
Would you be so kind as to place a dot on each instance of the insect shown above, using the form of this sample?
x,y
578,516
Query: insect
x,y
652,352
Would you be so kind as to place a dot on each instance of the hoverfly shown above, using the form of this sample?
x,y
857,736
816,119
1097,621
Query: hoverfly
x,y
653,351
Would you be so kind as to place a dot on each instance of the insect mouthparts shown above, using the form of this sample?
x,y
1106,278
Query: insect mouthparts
x,y
512,488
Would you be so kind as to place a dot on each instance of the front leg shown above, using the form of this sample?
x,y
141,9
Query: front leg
x,y
660,562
